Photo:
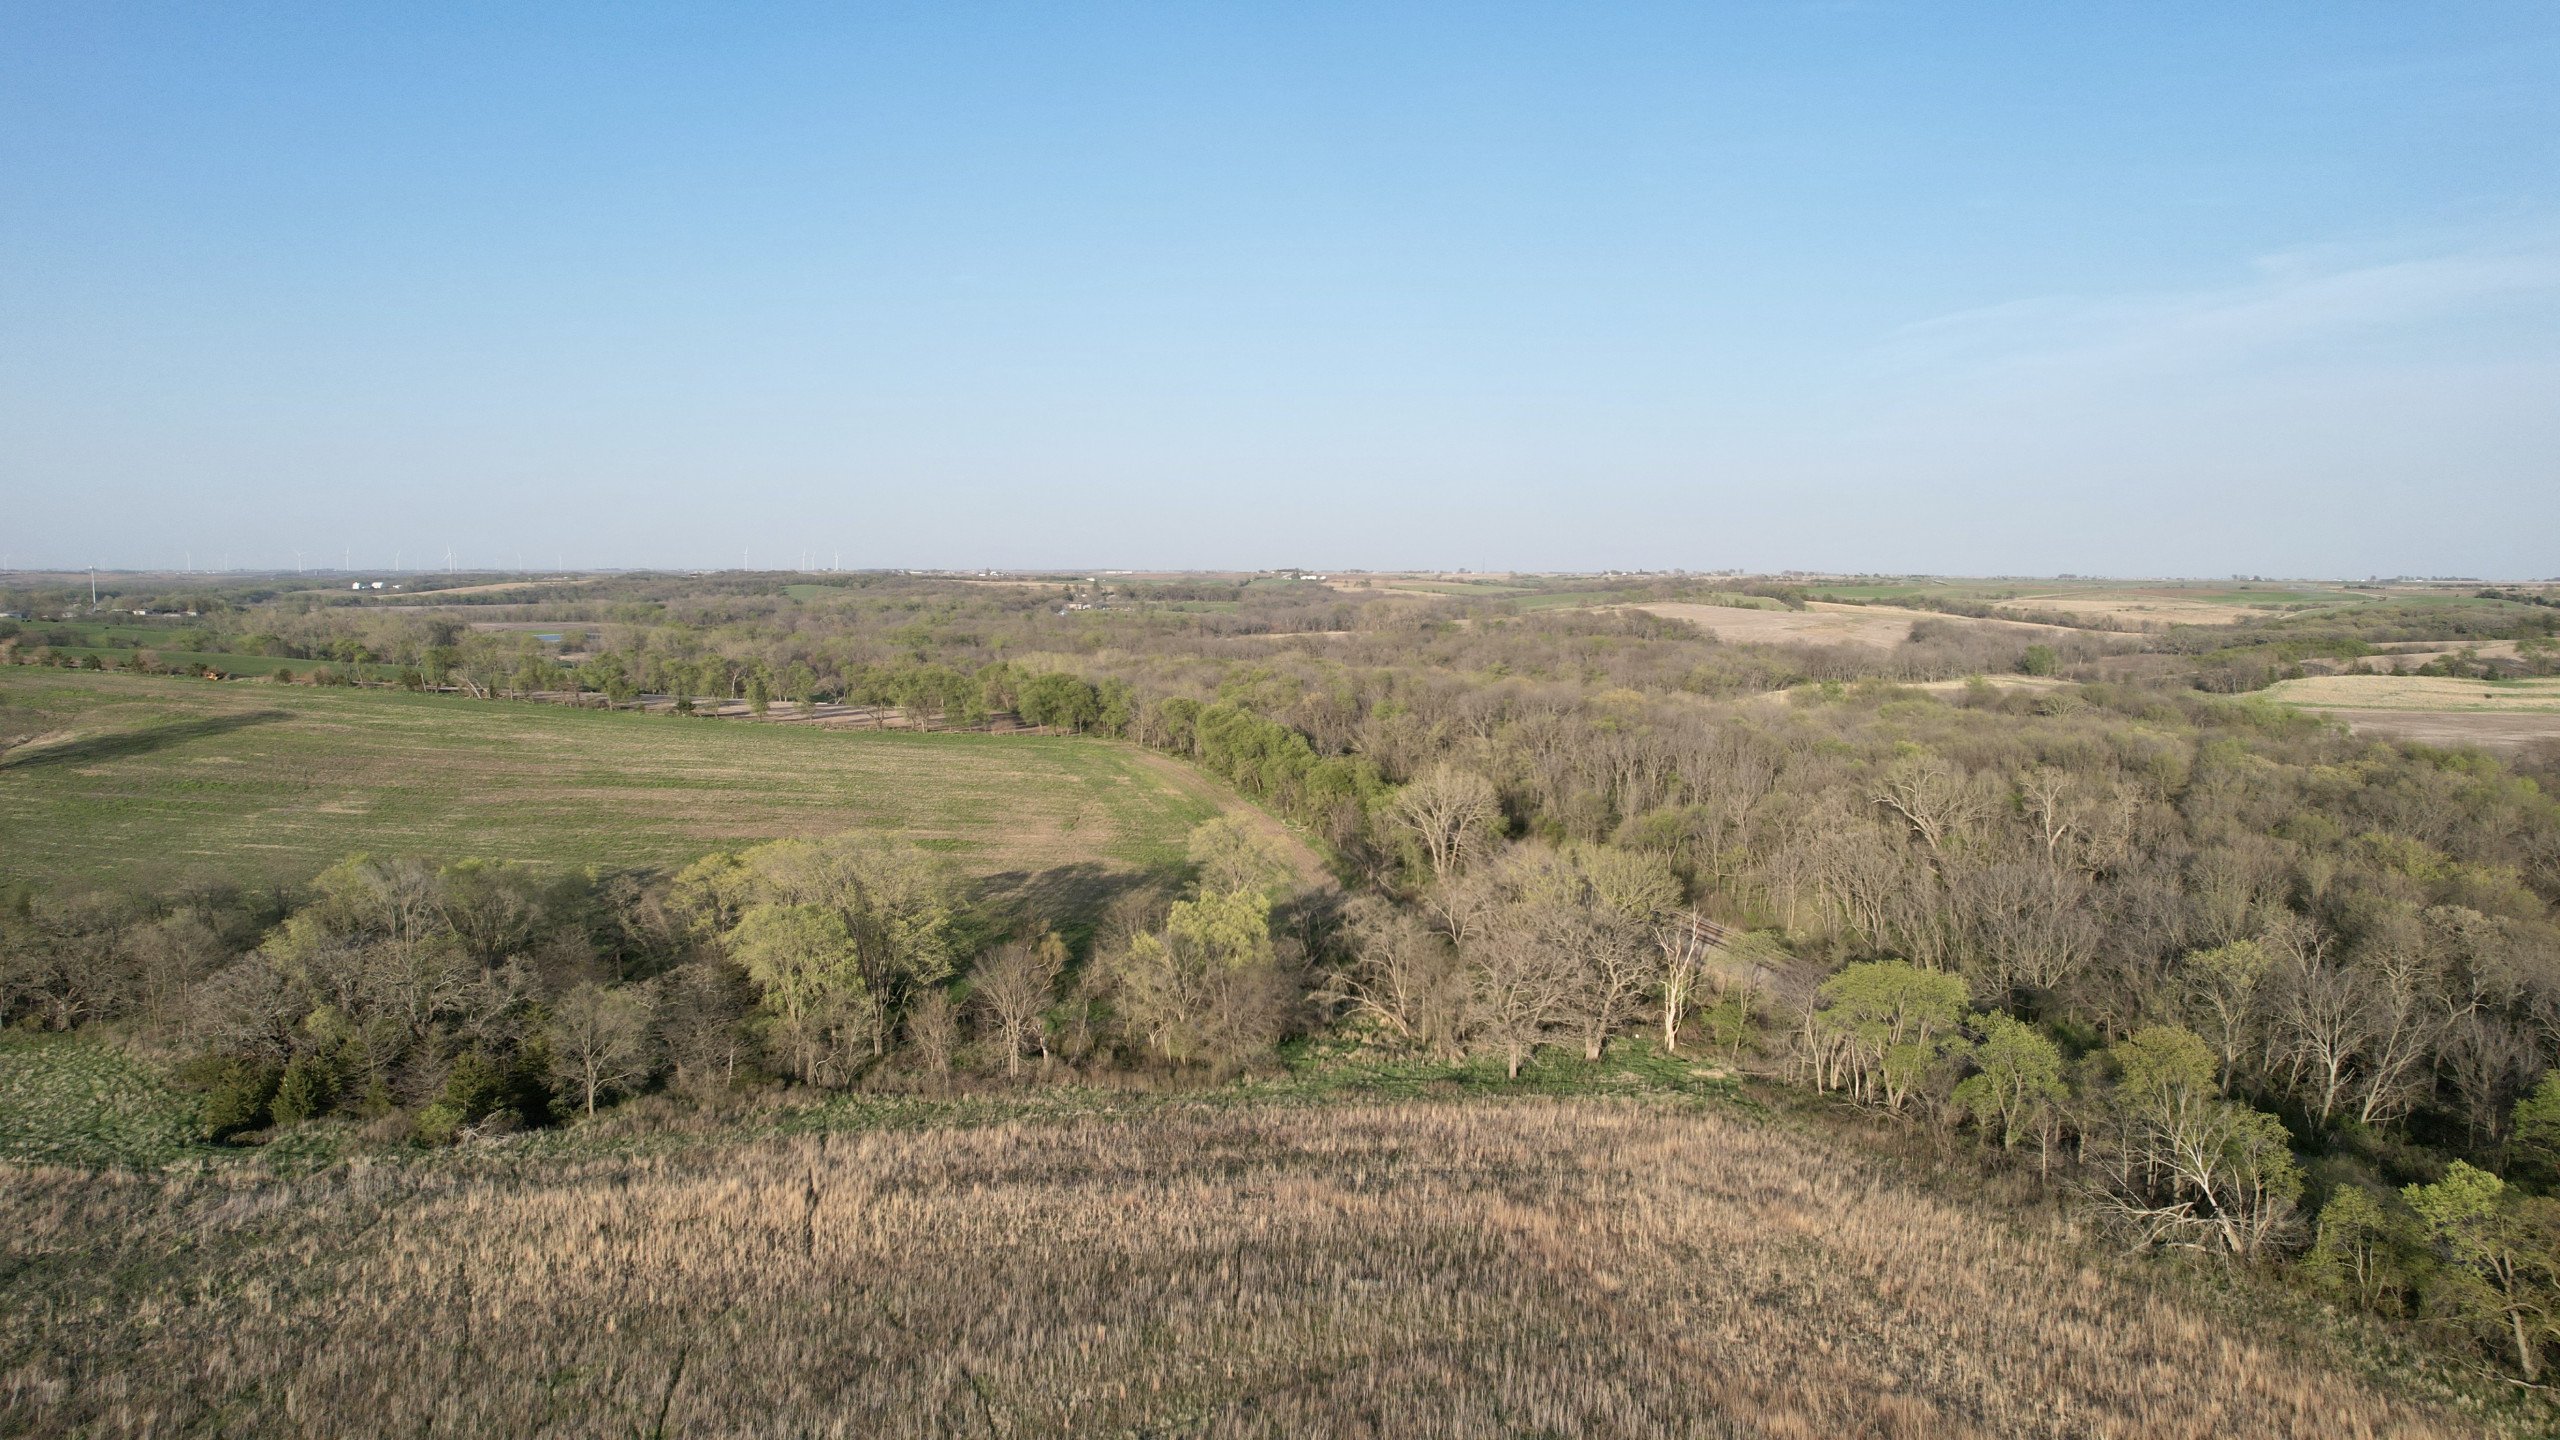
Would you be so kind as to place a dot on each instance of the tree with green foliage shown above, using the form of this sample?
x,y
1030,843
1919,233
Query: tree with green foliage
x,y
1206,985
801,958
2222,991
2533,1133
2500,1254
2361,1252
1877,1028
1729,1020
2182,1166
1059,701
2017,1084
478,1091
610,677
1230,853
236,1091
306,1091
838,934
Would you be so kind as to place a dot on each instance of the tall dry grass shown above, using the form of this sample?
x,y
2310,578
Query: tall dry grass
x,y
1555,1267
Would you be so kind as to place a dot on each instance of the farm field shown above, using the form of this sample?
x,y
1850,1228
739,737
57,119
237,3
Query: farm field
x,y
2418,692
1497,1267
2154,609
1819,623
2432,710
2115,604
129,778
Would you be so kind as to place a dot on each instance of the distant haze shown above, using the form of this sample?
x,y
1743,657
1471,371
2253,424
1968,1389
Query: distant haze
x,y
2123,289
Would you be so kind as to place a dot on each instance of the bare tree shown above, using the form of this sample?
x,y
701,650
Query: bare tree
x,y
1523,978
1937,801
2404,1020
702,1009
1451,812
600,1040
933,1032
1620,966
2322,1025
1682,942
2030,923
1012,987
2045,796
1404,977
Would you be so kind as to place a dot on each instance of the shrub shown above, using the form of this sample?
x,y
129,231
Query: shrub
x,y
237,1093
306,1091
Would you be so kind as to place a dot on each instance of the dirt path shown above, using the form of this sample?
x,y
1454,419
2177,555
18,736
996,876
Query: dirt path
x,y
1309,865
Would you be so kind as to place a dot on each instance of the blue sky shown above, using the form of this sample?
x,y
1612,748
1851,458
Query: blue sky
x,y
2126,289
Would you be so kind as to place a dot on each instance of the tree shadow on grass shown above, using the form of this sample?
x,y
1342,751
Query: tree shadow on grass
x,y
1069,899
124,744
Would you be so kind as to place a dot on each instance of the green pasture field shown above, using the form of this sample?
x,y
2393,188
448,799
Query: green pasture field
x,y
1906,591
257,665
69,1100
1564,599
108,632
1480,588
136,780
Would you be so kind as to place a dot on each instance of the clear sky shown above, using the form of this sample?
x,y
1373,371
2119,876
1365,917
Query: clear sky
x,y
2125,289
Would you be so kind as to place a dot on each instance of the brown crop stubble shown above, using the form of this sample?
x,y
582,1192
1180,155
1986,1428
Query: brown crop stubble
x,y
1417,1269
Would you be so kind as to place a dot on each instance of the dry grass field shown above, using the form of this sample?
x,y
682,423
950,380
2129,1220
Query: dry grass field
x,y
2418,692
1820,623
142,778
2431,710
1528,1267
2159,606
2142,611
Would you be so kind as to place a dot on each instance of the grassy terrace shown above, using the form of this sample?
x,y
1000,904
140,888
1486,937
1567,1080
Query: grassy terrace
x,y
143,778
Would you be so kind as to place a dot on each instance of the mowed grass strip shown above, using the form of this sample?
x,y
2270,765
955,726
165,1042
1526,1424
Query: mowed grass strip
x,y
152,779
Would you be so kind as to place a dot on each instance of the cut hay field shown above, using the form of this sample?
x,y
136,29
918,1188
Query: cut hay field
x,y
2146,610
2418,692
1407,1269
2431,710
142,779
1822,623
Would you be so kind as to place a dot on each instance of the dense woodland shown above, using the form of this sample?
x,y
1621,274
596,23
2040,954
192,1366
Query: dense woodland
x,y
2224,978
